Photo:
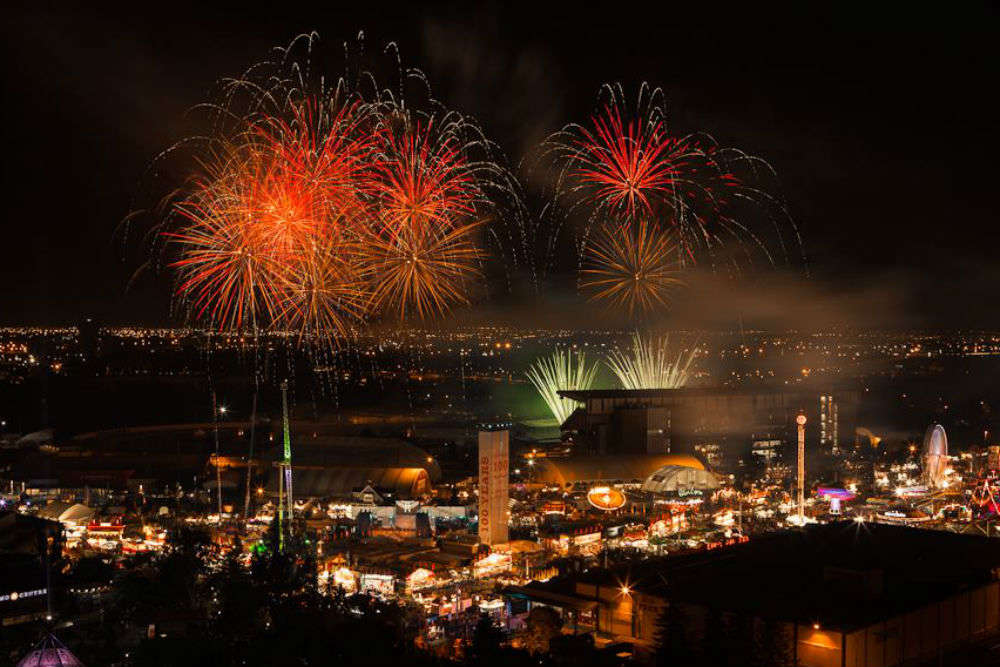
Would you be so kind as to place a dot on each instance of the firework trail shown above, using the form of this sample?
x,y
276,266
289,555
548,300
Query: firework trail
x,y
562,370
650,365
633,268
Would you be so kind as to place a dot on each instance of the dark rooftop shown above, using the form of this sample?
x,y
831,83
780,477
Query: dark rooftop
x,y
639,394
843,575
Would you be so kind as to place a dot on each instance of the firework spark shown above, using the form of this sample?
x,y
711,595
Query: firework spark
x,y
634,268
650,365
561,371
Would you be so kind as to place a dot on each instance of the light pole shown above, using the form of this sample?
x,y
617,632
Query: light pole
x,y
218,469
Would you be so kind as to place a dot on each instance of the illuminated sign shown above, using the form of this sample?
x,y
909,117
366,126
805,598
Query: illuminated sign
x,y
14,596
606,498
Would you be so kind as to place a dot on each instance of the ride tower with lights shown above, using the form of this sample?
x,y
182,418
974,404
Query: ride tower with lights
x,y
285,472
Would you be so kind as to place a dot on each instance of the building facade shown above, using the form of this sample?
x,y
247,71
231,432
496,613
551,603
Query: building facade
x,y
658,421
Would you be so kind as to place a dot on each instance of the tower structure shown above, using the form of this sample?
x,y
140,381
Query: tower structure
x,y
285,471
829,436
493,484
801,481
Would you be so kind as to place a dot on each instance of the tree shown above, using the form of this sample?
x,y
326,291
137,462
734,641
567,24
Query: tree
x,y
544,623
573,650
672,644
775,644
715,640
487,640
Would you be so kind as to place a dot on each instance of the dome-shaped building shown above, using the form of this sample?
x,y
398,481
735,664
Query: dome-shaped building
x,y
682,475
50,652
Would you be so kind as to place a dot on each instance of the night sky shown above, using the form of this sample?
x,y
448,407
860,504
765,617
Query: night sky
x,y
881,123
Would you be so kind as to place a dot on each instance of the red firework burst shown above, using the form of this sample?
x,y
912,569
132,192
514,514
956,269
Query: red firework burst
x,y
422,180
632,166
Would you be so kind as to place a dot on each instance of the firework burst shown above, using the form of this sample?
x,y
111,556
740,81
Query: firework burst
x,y
627,163
228,270
632,268
316,207
423,255
649,364
563,370
264,211
421,271
422,181
324,293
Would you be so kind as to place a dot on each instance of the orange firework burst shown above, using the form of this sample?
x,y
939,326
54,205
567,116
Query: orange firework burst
x,y
324,293
423,251
260,221
229,270
633,268
422,271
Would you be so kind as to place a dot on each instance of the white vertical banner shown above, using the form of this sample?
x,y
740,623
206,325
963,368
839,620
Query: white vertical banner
x,y
493,486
